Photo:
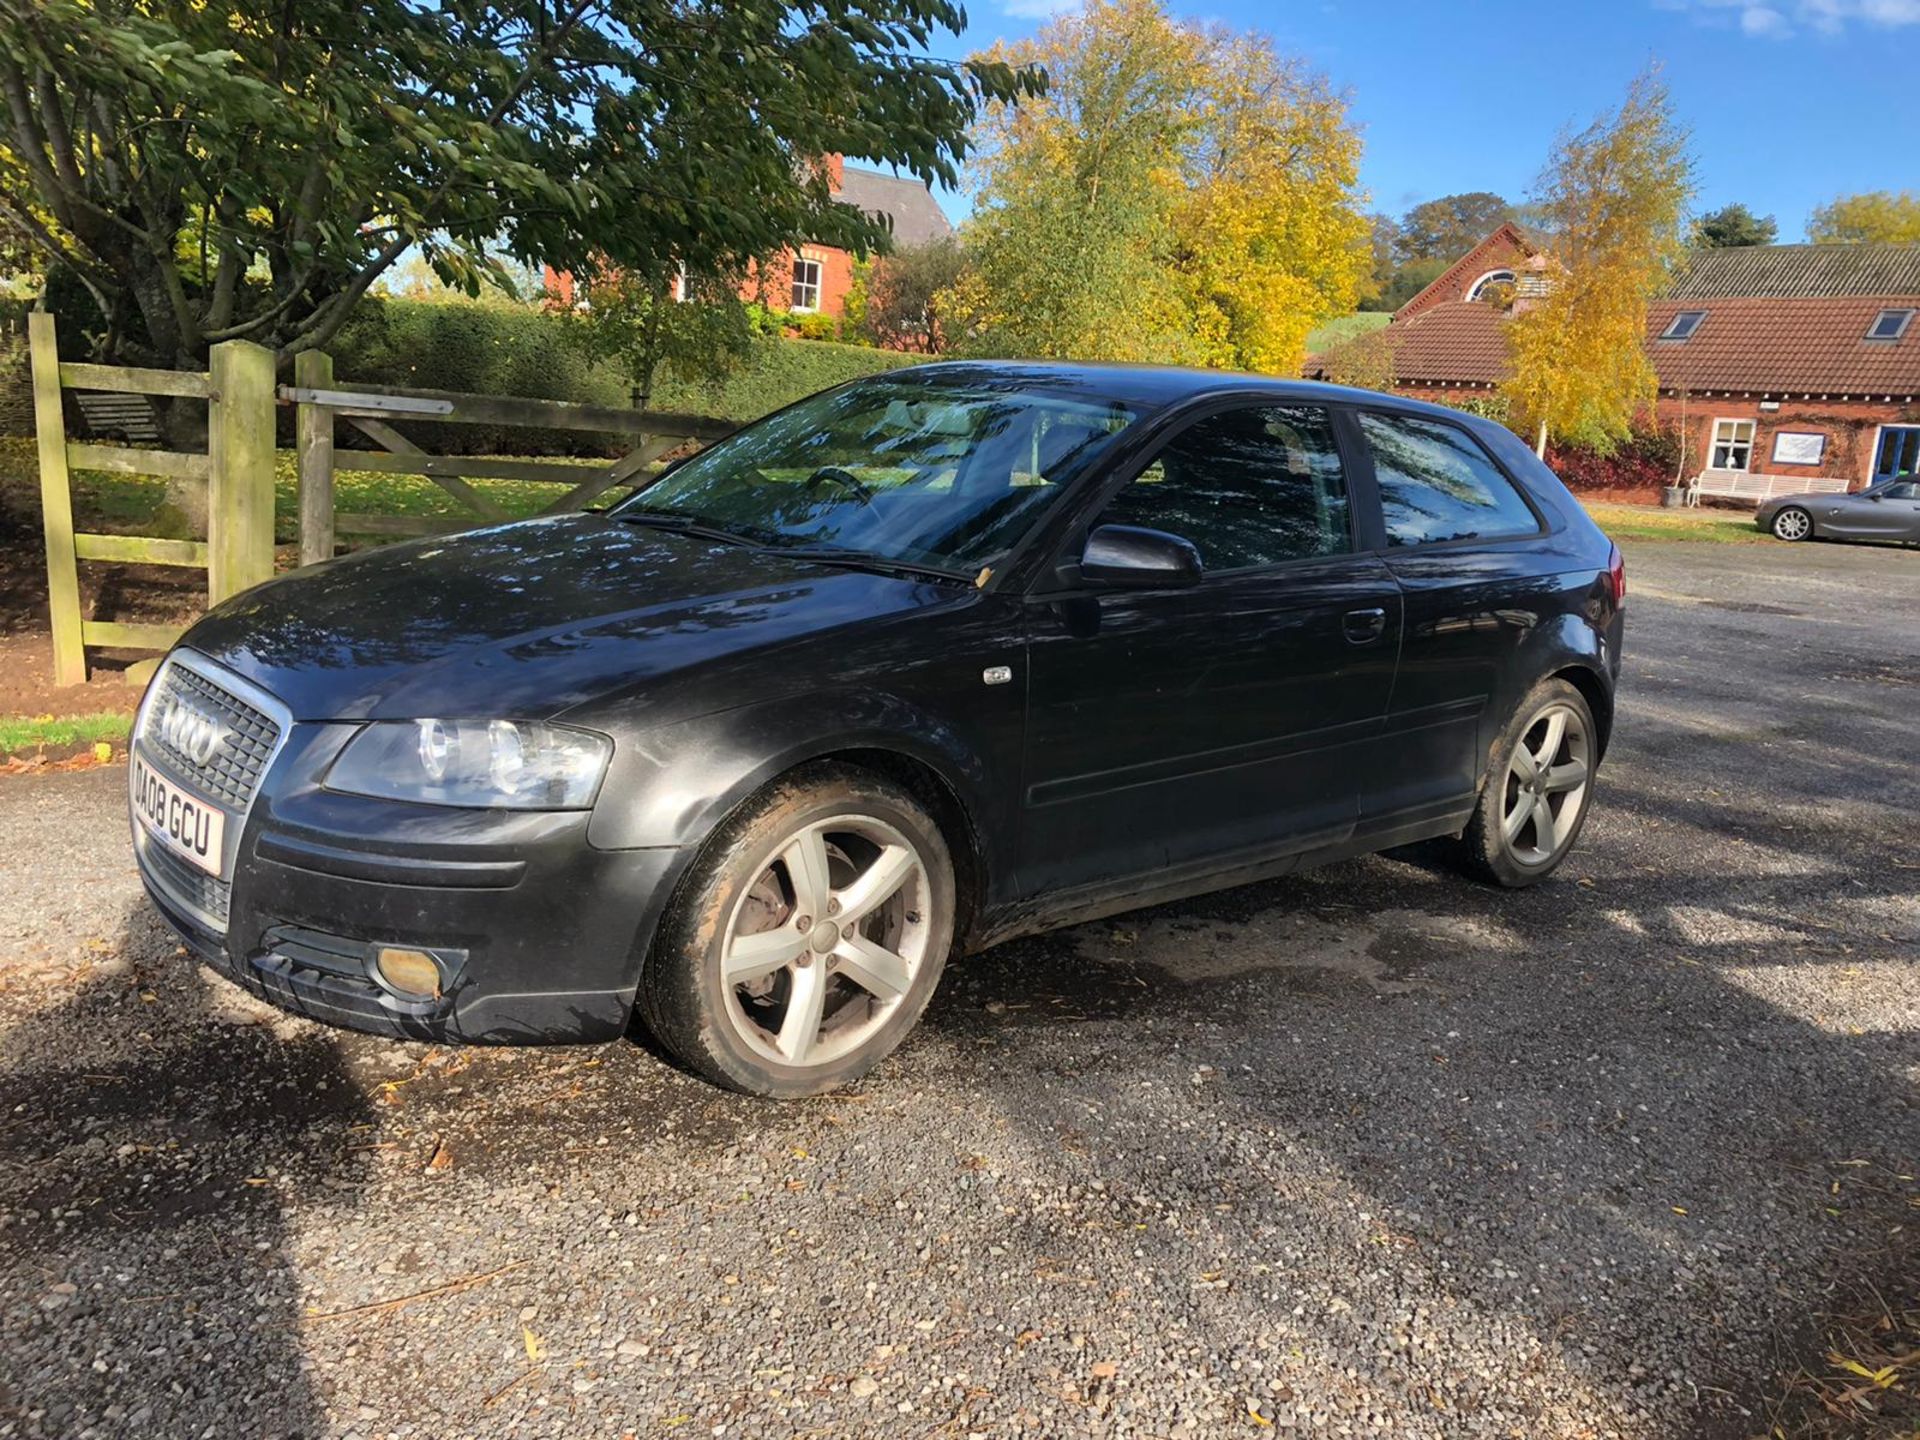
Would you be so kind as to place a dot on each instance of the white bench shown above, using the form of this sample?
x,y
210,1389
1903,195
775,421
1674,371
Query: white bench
x,y
1756,487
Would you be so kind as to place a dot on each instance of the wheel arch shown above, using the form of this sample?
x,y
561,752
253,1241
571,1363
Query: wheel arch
x,y
1598,695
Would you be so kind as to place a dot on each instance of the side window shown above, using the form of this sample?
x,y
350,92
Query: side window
x,y
1436,484
1249,487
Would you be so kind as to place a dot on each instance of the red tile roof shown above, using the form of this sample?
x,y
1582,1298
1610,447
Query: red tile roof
x,y
1777,346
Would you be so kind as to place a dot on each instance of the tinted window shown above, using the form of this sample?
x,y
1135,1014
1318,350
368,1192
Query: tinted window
x,y
1436,484
1249,487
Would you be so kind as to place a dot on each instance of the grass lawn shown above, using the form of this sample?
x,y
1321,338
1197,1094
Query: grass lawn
x,y
31,732
1636,522
1344,327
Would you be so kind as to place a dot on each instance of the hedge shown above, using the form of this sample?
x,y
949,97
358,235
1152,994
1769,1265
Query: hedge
x,y
508,350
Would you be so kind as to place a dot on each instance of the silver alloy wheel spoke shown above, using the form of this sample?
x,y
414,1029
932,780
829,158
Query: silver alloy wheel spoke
x,y
1570,776
806,1005
806,861
877,884
872,966
1549,750
1517,818
751,957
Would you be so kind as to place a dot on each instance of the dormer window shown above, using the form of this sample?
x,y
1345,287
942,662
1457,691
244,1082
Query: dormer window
x,y
1890,325
1682,326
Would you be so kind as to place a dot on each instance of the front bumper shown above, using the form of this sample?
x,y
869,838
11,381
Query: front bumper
x,y
539,935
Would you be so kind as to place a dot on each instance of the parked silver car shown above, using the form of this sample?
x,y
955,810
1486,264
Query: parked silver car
x,y
1887,511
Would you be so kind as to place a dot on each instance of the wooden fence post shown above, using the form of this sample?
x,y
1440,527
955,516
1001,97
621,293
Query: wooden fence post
x,y
240,455
56,503
313,429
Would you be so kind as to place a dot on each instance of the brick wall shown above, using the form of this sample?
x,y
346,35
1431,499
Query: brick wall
x,y
1499,251
1851,428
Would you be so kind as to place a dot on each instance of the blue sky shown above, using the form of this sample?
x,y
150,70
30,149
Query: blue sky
x,y
1791,102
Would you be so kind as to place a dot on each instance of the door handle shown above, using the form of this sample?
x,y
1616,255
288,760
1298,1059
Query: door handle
x,y
1363,627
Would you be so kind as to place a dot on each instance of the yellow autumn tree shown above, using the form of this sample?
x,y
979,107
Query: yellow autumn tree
x,y
1181,194
1612,200
1875,217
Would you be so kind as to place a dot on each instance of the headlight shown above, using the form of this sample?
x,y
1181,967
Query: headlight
x,y
479,763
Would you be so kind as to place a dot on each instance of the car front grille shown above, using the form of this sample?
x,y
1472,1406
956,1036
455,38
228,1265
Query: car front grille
x,y
233,773
251,725
208,896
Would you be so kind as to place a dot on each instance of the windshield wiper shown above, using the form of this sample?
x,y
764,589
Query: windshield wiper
x,y
680,524
861,560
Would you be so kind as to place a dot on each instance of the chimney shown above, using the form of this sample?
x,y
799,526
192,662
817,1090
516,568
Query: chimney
x,y
836,171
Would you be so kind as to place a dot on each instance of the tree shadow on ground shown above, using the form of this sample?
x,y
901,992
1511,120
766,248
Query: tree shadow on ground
x,y
152,1142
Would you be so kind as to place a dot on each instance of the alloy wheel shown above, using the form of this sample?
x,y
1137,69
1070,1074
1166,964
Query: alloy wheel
x,y
1792,525
824,944
1546,785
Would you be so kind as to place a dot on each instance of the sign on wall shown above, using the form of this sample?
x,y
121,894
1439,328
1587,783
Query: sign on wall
x,y
1797,447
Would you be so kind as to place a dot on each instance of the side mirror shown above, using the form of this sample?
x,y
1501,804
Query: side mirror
x,y
1129,557
1878,495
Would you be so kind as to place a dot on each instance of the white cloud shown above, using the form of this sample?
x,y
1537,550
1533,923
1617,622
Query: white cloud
x,y
1776,21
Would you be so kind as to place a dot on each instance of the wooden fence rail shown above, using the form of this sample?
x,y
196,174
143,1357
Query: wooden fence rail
x,y
372,409
237,470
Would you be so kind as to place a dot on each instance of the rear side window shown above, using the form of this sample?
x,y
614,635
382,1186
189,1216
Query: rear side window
x,y
1436,484
1250,487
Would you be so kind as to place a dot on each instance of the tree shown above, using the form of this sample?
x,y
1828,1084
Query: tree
x,y
1613,196
1365,361
1733,225
1876,217
1181,194
905,293
1446,228
699,327
212,169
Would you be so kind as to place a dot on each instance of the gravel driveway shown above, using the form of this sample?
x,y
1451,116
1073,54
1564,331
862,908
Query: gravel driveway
x,y
1365,1150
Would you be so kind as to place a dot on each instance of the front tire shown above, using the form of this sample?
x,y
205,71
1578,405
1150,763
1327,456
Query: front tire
x,y
1793,523
808,937
1534,802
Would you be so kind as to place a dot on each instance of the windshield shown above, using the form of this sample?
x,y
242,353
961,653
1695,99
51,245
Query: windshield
x,y
942,473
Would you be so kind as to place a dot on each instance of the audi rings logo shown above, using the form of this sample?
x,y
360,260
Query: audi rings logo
x,y
191,731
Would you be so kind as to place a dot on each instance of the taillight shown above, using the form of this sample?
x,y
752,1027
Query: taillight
x,y
1616,575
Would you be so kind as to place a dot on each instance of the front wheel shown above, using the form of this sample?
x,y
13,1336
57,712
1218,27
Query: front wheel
x,y
1792,523
1534,801
808,938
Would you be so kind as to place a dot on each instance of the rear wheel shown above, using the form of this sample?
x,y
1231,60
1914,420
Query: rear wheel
x,y
1534,801
807,940
1792,523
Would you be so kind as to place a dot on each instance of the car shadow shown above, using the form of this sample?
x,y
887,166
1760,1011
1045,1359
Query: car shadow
x,y
1612,1126
156,1132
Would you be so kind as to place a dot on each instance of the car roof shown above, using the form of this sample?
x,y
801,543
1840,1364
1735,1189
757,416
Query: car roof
x,y
1154,387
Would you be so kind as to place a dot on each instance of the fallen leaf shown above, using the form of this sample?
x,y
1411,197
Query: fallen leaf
x,y
1253,1414
1679,1209
442,1157
532,1342
1105,1370
102,752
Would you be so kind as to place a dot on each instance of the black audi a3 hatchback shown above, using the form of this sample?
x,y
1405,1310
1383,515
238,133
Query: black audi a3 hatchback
x,y
914,666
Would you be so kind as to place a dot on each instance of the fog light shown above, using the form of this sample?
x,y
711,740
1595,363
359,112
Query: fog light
x,y
411,972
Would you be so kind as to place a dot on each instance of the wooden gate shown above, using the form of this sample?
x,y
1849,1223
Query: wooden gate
x,y
372,409
237,469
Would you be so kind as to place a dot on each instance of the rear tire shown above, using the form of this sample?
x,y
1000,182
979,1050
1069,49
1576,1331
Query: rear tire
x,y
807,938
1534,801
1793,523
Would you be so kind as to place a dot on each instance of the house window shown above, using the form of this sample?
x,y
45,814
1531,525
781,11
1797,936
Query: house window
x,y
1478,290
806,284
1732,445
1682,326
1890,325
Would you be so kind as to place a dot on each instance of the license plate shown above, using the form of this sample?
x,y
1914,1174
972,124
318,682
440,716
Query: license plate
x,y
192,828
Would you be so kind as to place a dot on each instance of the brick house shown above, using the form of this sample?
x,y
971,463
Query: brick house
x,y
1778,364
816,278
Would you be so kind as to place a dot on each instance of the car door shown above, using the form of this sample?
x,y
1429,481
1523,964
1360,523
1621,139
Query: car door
x,y
1166,726
1477,574
1887,512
